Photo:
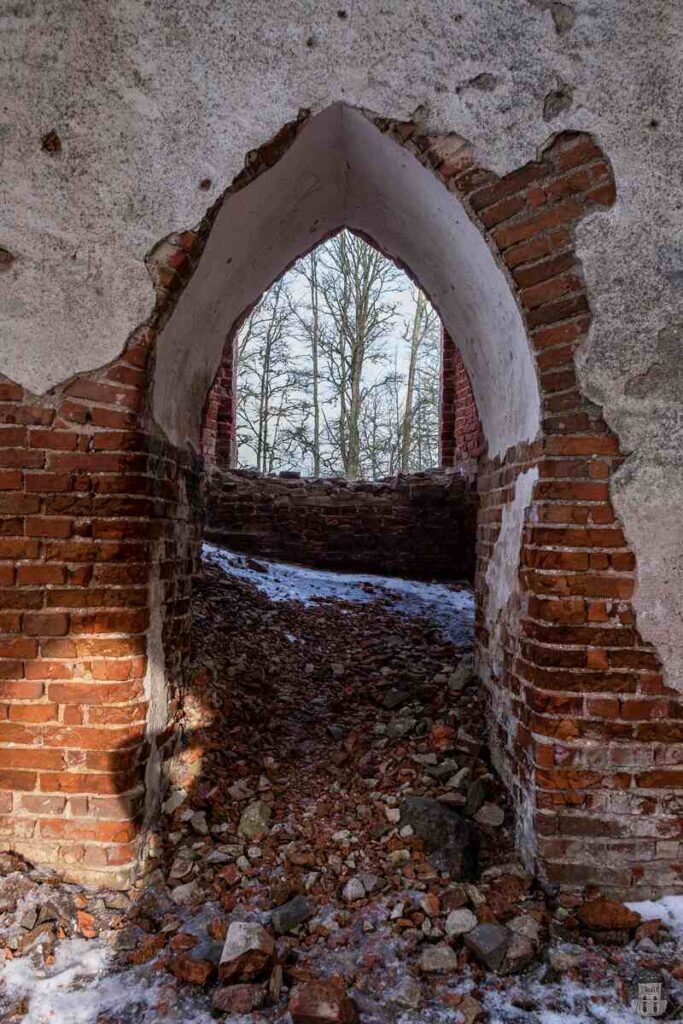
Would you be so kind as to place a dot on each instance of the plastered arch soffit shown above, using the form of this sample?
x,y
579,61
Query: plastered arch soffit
x,y
342,171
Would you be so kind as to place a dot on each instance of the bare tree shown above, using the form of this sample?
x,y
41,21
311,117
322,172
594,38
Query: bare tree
x,y
268,380
425,435
324,384
309,320
357,287
425,324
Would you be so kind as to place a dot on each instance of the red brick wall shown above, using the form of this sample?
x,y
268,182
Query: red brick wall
x,y
422,525
220,420
588,738
99,534
99,527
460,431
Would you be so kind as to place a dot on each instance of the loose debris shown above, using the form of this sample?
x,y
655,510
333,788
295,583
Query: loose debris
x,y
334,845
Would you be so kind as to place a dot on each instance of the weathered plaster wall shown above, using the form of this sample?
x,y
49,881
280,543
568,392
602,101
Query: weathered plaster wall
x,y
152,99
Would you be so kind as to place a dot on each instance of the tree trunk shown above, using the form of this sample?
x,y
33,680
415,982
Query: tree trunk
x,y
315,331
415,339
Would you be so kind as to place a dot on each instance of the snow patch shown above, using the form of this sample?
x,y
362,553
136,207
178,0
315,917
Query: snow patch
x,y
448,608
668,909
82,984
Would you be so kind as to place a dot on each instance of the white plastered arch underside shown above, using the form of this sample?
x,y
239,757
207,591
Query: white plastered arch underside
x,y
341,171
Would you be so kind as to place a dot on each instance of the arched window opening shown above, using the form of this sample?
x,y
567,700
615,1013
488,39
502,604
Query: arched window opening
x,y
338,369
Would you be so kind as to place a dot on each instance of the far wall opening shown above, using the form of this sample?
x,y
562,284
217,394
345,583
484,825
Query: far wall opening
x,y
338,369
341,428
341,369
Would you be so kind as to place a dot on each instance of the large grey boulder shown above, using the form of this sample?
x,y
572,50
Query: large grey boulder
x,y
255,820
451,843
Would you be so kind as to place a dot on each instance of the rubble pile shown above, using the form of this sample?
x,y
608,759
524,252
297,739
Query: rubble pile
x,y
333,846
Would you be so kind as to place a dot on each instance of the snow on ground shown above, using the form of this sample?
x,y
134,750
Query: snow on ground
x,y
451,607
669,910
82,987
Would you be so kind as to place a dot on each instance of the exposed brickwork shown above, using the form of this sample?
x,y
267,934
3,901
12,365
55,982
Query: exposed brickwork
x,y
100,526
590,738
219,420
421,525
99,529
461,435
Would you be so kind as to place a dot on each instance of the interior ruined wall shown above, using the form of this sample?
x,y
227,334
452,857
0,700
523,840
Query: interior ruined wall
x,y
460,433
219,418
420,525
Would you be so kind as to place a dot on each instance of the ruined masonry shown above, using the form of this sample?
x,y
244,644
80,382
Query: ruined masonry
x,y
104,472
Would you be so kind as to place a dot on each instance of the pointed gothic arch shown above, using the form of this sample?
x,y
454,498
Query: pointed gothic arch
x,y
95,595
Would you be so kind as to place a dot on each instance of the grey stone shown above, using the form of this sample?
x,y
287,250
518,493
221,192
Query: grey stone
x,y
292,914
460,779
182,866
29,917
477,794
353,890
438,960
451,844
394,697
471,1010
562,960
519,954
199,823
184,895
175,800
126,939
248,952
117,901
50,913
443,769
489,943
462,677
218,857
490,815
371,883
401,726
459,922
255,819
240,790
525,924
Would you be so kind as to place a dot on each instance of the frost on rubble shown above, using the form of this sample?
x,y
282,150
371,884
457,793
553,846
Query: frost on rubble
x,y
451,607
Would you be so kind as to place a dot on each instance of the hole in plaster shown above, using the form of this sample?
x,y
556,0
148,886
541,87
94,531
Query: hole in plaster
x,y
342,171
